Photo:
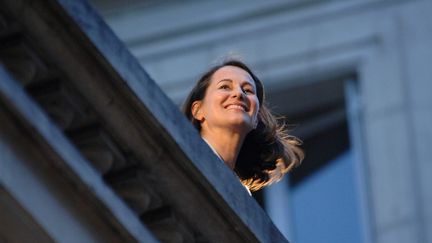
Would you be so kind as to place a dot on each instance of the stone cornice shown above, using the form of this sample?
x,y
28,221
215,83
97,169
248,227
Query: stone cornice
x,y
155,160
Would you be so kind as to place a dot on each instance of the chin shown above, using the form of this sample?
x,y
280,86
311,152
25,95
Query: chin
x,y
241,126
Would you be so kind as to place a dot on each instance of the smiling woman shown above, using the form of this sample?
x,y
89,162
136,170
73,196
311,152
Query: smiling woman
x,y
227,106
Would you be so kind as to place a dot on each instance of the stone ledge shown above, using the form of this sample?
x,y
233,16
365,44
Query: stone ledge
x,y
38,127
141,118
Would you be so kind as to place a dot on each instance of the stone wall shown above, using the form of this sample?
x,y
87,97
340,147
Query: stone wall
x,y
94,151
384,44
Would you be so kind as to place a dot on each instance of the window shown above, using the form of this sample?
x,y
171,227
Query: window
x,y
321,201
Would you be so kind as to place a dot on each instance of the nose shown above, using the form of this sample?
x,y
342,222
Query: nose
x,y
238,92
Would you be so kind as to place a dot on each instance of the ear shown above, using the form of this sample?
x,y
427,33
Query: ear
x,y
196,110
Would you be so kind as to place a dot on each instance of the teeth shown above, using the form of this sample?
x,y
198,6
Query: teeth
x,y
236,107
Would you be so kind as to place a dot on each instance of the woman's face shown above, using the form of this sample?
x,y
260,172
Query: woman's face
x,y
230,101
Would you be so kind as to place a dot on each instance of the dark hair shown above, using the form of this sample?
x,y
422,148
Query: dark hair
x,y
268,152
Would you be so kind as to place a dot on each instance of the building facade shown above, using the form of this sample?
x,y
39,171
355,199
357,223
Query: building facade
x,y
91,148
353,76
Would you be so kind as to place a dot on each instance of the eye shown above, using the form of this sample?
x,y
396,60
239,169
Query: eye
x,y
224,86
248,90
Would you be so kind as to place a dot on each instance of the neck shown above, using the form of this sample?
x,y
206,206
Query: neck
x,y
226,143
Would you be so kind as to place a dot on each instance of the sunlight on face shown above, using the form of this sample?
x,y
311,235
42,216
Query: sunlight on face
x,y
230,101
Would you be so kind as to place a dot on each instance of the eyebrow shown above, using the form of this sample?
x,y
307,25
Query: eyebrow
x,y
230,80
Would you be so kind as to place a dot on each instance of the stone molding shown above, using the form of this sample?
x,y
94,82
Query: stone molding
x,y
119,126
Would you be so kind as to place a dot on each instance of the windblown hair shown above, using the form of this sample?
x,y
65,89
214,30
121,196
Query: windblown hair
x,y
268,152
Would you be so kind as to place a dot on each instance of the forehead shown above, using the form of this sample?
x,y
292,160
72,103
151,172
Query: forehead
x,y
233,73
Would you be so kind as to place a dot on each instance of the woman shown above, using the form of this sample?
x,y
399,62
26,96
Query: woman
x,y
227,107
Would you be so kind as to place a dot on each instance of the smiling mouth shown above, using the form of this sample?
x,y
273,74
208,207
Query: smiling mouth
x,y
236,107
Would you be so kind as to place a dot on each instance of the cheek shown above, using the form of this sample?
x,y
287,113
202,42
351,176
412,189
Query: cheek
x,y
218,98
211,102
255,104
